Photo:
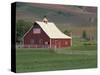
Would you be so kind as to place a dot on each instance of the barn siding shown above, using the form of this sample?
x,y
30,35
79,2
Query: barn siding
x,y
60,43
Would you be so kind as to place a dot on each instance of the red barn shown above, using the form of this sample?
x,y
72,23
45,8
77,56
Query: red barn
x,y
45,35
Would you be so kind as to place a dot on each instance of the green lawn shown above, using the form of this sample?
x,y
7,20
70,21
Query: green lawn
x,y
76,57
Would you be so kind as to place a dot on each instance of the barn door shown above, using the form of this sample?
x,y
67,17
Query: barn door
x,y
41,42
31,43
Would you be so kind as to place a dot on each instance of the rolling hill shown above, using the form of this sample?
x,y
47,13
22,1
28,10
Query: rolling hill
x,y
57,13
73,18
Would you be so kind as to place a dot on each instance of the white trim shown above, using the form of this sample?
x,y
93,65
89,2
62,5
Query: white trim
x,y
50,43
23,42
71,39
71,42
27,32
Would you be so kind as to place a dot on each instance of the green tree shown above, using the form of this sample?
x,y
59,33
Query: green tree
x,y
67,32
84,35
21,28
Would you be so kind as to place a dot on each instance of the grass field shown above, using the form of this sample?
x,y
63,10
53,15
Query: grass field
x,y
36,59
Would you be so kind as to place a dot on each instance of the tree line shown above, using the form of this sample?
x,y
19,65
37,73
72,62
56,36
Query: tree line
x,y
21,28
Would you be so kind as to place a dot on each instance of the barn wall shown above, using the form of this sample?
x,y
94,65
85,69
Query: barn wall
x,y
42,40
60,43
35,40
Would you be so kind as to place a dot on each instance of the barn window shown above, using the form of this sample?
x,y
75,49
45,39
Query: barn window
x,y
36,30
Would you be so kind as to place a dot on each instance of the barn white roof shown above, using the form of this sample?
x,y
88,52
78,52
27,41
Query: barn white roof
x,y
51,30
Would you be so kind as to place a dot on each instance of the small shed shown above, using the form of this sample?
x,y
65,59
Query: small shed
x,y
44,34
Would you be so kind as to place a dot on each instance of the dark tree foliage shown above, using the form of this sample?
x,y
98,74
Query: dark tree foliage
x,y
67,32
84,35
21,28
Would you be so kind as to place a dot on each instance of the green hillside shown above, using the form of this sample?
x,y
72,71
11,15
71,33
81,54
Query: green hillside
x,y
75,19
32,12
